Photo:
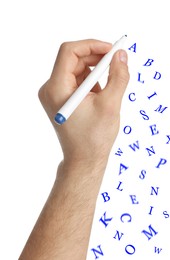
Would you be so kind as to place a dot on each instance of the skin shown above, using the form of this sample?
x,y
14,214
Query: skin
x,y
63,228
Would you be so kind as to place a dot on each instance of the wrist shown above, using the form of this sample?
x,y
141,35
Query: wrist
x,y
84,175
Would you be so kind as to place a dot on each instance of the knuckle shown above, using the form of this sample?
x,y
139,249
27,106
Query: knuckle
x,y
65,47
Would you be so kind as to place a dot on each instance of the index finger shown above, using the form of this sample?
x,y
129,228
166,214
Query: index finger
x,y
71,52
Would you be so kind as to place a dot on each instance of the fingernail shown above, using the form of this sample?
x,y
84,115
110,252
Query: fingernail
x,y
123,56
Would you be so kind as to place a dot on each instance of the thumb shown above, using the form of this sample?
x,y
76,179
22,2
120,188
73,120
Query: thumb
x,y
117,81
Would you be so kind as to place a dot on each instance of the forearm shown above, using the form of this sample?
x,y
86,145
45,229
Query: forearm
x,y
63,228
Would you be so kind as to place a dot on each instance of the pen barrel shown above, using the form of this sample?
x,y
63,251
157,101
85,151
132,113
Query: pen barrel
x,y
81,92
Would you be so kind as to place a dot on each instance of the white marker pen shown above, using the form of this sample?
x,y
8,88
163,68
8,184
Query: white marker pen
x,y
81,92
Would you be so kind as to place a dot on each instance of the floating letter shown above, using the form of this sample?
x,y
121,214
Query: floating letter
x,y
134,146
150,150
133,198
105,220
133,47
130,98
152,95
149,62
157,75
105,196
145,116
161,162
139,79
142,175
130,249
160,109
122,166
127,215
118,235
149,234
154,131
95,251
127,129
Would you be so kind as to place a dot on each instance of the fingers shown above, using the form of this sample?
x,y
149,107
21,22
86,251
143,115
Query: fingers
x,y
118,79
70,54
84,75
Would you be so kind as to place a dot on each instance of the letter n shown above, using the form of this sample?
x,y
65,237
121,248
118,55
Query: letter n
x,y
99,252
118,235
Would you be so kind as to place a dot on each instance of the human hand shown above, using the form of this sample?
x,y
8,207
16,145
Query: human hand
x,y
88,135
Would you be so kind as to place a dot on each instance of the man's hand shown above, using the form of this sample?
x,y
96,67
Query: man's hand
x,y
63,228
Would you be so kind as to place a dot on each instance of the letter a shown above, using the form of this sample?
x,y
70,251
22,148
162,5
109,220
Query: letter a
x,y
132,48
122,167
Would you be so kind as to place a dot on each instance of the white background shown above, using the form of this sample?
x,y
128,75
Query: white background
x,y
30,35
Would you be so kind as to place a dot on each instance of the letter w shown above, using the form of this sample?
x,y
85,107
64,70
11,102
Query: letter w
x,y
157,250
134,146
119,152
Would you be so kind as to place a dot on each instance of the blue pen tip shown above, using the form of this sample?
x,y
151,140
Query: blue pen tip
x,y
59,119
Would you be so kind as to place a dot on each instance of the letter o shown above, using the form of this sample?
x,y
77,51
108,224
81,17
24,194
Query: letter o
x,y
127,129
131,251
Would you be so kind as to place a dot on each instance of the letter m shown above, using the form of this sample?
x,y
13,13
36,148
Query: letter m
x,y
99,252
161,109
151,233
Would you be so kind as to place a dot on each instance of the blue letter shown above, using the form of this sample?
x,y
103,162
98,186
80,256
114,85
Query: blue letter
x,y
142,175
150,151
139,79
122,166
155,191
119,186
168,139
118,235
157,250
150,212
126,214
133,198
165,213
134,146
131,98
152,95
105,196
157,75
97,252
160,109
149,62
149,235
133,47
161,162
127,131
119,151
145,116
132,247
154,131
105,220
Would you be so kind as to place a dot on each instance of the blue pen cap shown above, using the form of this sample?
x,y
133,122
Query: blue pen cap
x,y
59,119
